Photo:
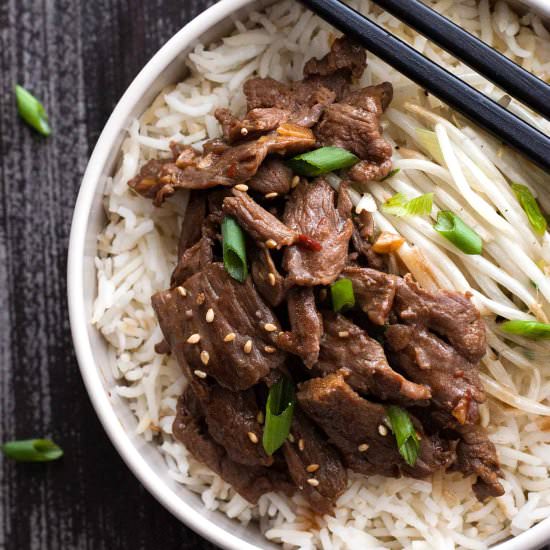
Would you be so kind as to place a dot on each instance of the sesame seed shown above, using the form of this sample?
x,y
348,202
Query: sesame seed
x,y
270,243
247,348
270,349
260,417
241,187
210,315
182,291
271,195
253,437
382,430
313,482
363,447
201,298
343,333
205,357
301,444
295,181
312,468
200,373
244,131
189,313
270,327
291,438
271,279
229,337
194,339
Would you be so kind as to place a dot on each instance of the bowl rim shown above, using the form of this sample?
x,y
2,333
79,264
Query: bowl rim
x,y
532,538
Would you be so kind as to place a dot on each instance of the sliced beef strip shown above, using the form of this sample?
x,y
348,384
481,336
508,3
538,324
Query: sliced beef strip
x,y
193,260
191,227
271,285
273,176
257,122
449,314
354,124
345,55
231,417
358,428
345,345
251,482
306,326
227,167
425,358
311,211
237,309
361,240
261,225
476,454
330,474
374,292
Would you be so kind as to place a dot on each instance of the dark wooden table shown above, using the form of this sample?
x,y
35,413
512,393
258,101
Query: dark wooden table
x,y
78,56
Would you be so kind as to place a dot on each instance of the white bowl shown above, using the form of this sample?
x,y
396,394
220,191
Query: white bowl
x,y
143,458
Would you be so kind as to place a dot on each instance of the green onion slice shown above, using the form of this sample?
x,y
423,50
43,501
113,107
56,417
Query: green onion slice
x,y
461,235
234,249
398,205
32,111
322,161
530,207
341,292
278,414
529,329
32,450
391,174
429,141
405,433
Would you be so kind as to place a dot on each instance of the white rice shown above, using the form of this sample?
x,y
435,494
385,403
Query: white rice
x,y
465,169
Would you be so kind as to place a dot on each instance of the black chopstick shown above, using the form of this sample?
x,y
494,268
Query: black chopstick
x,y
448,88
500,70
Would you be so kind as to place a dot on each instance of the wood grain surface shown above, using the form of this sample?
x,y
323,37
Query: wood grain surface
x,y
78,56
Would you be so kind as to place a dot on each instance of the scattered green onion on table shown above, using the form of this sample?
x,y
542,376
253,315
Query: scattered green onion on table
x,y
32,111
278,415
405,433
322,161
399,205
234,249
341,293
32,450
529,329
450,226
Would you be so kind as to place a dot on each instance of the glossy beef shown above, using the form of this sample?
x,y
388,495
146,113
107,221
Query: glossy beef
x,y
234,347
273,176
271,285
346,346
311,210
453,380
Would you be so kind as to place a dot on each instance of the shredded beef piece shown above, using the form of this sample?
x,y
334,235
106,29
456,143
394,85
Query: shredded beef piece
x,y
311,211
352,422
271,285
345,345
193,260
476,454
449,314
191,227
229,167
251,482
257,122
330,474
307,326
361,240
345,55
273,176
425,358
257,221
374,291
237,309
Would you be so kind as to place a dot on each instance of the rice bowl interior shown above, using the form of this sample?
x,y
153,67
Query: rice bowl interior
x,y
464,168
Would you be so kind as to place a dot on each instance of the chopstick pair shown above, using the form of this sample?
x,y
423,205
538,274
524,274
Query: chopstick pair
x,y
450,89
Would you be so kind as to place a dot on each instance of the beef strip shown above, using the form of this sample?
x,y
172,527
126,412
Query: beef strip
x,y
257,122
251,482
449,314
330,475
362,238
374,292
193,260
354,124
273,176
307,326
358,428
311,211
345,345
237,310
219,166
477,455
261,225
231,417
425,358
191,227
271,285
